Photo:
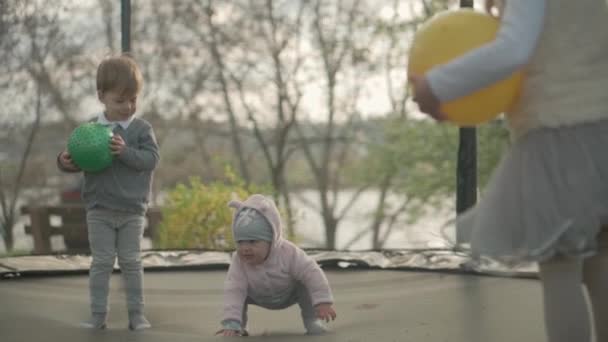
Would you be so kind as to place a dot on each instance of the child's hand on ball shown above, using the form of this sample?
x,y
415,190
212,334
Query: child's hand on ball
x,y
495,8
117,145
65,159
424,97
325,312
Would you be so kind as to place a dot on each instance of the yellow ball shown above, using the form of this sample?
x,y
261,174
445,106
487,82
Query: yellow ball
x,y
448,35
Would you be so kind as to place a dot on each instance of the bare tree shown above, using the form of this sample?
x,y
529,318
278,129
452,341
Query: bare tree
x,y
255,52
393,30
212,41
281,36
37,56
53,60
107,11
179,73
333,27
11,183
7,42
9,195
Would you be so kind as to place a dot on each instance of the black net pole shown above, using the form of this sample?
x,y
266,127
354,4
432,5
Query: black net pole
x,y
125,20
466,170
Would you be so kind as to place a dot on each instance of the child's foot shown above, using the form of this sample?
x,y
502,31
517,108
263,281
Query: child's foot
x,y
137,321
242,332
96,321
315,327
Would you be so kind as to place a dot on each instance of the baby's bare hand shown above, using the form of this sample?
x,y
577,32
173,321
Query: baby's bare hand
x,y
325,312
228,332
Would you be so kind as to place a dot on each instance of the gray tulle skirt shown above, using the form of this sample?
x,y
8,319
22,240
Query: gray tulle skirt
x,y
547,197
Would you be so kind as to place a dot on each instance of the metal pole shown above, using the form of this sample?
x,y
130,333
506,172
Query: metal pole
x,y
466,173
125,16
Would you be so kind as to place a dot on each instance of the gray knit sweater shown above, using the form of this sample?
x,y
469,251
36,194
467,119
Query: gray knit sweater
x,y
127,183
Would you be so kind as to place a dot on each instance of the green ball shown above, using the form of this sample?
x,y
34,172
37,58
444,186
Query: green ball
x,y
89,146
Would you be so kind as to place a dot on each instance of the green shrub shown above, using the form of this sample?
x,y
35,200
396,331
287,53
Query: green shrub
x,y
197,216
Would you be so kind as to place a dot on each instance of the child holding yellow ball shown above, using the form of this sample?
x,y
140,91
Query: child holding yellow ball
x,y
548,198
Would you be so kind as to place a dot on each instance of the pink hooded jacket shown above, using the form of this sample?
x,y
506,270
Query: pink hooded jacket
x,y
285,265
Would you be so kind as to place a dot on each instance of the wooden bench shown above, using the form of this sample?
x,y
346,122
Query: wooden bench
x,y
73,226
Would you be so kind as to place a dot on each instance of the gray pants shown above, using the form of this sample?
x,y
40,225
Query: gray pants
x,y
300,296
113,233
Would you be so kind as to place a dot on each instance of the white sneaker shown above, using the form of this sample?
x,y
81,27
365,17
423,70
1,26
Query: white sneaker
x,y
96,321
137,321
315,327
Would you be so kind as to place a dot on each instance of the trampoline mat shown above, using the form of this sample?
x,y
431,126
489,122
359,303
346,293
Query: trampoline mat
x,y
372,304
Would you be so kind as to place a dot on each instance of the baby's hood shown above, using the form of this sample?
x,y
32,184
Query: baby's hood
x,y
264,206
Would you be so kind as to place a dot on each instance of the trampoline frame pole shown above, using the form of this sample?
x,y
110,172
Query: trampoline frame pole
x,y
125,25
466,169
